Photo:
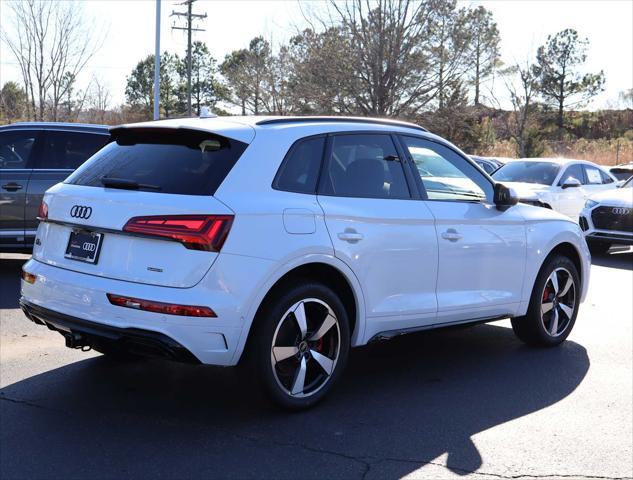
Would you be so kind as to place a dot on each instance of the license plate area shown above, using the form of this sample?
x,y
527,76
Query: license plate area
x,y
84,246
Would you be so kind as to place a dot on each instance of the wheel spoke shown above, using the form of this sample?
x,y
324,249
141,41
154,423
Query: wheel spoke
x,y
300,315
554,279
567,310
281,353
553,328
328,323
567,286
326,363
300,378
546,307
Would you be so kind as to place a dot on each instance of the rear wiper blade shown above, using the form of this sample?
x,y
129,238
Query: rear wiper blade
x,y
127,184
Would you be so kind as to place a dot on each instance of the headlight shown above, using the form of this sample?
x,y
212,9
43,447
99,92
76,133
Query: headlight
x,y
590,203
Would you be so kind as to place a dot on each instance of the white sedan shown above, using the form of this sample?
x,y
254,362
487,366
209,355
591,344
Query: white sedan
x,y
561,184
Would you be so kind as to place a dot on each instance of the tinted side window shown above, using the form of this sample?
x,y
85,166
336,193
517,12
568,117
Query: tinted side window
x,y
593,175
365,166
69,149
605,178
574,172
445,174
300,170
16,148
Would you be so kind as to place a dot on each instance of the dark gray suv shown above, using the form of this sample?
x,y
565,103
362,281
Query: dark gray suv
x,y
34,157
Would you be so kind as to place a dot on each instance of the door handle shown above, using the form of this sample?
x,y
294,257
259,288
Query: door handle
x,y
12,187
350,235
451,235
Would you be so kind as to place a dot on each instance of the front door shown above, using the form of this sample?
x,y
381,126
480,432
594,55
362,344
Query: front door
x,y
377,228
481,249
16,148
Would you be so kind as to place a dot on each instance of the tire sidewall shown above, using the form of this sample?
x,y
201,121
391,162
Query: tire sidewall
x,y
266,324
536,300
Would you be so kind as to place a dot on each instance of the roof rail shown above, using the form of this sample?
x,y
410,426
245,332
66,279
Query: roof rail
x,y
377,121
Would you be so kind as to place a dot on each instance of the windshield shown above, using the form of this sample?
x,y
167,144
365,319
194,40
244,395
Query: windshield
x,y
628,183
542,173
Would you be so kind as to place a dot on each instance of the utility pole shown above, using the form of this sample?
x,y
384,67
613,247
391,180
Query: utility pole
x,y
157,64
189,19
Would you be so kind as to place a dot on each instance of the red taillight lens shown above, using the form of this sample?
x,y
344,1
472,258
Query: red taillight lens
x,y
42,213
28,277
196,232
160,307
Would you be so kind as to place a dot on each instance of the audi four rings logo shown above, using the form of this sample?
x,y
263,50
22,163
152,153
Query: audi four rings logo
x,y
89,247
621,211
80,211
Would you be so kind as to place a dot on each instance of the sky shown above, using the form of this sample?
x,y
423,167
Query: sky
x,y
127,29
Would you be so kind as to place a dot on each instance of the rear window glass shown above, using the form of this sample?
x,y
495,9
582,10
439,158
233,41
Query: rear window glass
x,y
186,163
68,150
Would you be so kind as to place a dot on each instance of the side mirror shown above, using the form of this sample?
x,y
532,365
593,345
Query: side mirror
x,y
504,197
571,183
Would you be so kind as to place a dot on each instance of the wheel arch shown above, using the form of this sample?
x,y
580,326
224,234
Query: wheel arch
x,y
324,268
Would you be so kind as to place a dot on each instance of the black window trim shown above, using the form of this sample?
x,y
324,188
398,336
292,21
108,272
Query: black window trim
x,y
420,183
413,193
275,183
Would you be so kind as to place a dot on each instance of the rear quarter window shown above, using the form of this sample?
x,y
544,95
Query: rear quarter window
x,y
176,162
299,171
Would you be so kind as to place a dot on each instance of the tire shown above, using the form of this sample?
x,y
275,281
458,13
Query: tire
x,y
558,301
599,248
283,346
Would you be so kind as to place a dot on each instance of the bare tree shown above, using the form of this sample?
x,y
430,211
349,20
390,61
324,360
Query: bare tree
x,y
522,85
52,43
98,100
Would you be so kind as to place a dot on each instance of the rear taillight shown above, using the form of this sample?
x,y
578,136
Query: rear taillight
x,y
28,277
160,307
42,213
196,232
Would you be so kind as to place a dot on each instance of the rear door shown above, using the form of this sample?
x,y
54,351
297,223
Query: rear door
x,y
154,219
17,150
61,152
380,229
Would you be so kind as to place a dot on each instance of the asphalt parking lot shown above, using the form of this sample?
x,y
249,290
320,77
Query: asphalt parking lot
x,y
470,402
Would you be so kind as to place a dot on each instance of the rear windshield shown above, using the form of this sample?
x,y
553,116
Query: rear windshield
x,y
164,161
543,173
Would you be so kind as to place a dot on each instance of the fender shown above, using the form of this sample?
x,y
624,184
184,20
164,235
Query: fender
x,y
556,234
262,290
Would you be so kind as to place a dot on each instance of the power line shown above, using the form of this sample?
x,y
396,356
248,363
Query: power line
x,y
189,17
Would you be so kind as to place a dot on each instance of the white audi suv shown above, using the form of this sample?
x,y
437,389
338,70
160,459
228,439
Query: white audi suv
x,y
280,243
561,184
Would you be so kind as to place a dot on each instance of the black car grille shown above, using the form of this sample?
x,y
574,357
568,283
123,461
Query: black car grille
x,y
613,218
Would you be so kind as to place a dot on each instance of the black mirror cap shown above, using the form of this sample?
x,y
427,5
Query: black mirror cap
x,y
504,197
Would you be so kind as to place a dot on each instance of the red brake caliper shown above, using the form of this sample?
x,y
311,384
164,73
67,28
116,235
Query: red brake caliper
x,y
546,293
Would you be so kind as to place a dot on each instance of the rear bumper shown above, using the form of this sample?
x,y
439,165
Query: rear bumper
x,y
134,340
214,341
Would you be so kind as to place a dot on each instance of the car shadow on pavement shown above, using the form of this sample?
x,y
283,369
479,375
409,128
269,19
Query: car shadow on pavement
x,y
399,406
10,269
618,257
